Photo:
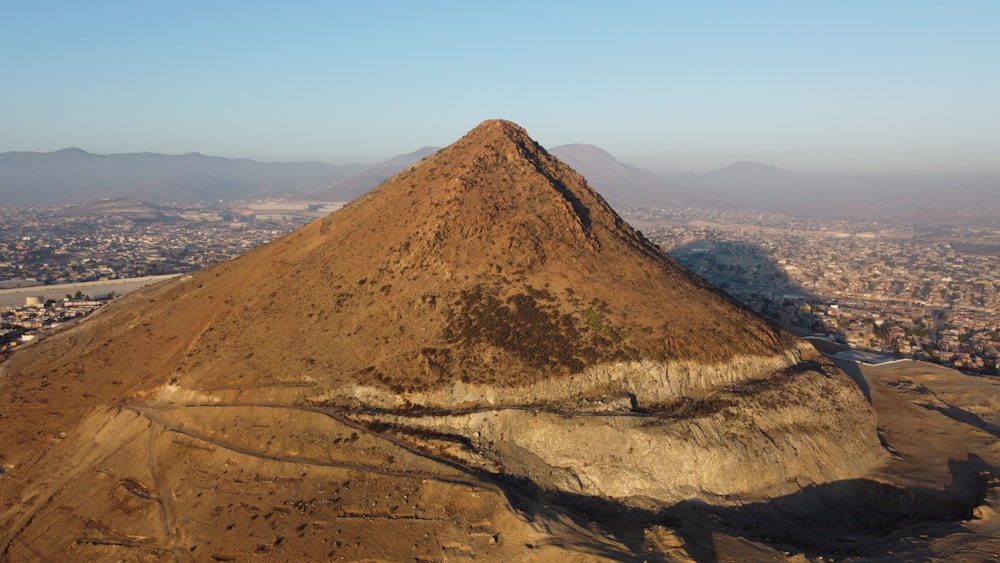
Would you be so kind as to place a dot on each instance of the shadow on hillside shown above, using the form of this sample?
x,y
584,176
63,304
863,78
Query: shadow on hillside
x,y
965,417
852,518
748,274
853,370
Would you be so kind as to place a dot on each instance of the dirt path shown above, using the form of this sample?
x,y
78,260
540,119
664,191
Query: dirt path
x,y
153,415
165,498
933,449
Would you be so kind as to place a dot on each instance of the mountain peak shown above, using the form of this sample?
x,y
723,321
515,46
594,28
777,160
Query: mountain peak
x,y
71,151
493,198
499,129
494,183
501,140
749,168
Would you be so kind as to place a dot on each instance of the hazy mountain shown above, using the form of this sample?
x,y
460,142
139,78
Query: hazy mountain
x,y
744,184
74,175
476,358
746,170
375,174
753,185
618,182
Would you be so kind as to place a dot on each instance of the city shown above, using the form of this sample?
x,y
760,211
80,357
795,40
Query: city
x,y
926,292
71,246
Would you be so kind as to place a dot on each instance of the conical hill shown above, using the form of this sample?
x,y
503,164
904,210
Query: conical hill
x,y
387,383
489,262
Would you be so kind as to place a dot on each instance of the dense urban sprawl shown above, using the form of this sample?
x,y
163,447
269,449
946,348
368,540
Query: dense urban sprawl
x,y
119,239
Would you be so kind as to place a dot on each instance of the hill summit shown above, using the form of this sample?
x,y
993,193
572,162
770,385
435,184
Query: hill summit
x,y
480,317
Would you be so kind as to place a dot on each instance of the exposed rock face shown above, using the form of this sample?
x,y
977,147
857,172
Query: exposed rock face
x,y
763,438
482,314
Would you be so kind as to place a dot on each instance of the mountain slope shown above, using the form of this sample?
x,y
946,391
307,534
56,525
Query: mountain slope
x,y
477,344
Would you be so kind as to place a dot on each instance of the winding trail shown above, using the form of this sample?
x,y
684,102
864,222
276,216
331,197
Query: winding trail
x,y
474,479
165,498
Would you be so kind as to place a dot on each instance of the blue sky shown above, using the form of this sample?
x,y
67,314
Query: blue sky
x,y
815,87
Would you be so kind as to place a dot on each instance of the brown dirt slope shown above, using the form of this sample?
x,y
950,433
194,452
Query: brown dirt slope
x,y
489,253
478,359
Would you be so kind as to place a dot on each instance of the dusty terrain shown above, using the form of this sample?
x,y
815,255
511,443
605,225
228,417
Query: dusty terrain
x,y
217,478
477,360
940,426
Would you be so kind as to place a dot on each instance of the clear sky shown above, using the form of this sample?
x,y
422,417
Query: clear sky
x,y
811,86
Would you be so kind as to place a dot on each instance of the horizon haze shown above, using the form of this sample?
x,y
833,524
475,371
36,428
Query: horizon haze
x,y
74,175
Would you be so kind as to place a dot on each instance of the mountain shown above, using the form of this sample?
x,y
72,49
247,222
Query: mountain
x,y
624,184
375,174
478,358
743,184
74,175
618,182
745,170
752,185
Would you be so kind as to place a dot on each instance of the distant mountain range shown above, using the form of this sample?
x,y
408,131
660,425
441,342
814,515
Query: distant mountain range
x,y
377,173
752,185
619,182
73,176
768,188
